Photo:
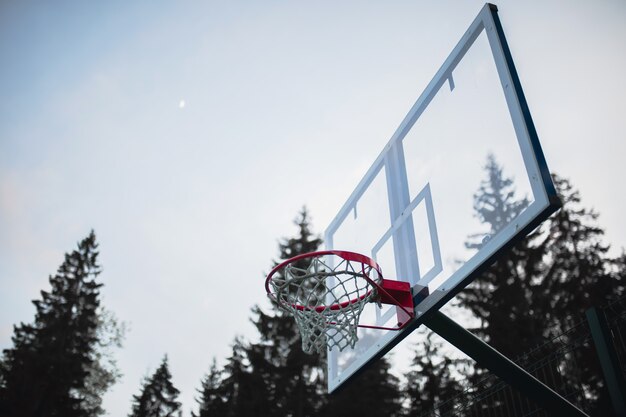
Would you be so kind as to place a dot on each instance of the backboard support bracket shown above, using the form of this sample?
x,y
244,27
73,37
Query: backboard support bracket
x,y
398,293
507,370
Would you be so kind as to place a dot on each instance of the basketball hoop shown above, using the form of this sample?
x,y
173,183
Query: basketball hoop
x,y
326,293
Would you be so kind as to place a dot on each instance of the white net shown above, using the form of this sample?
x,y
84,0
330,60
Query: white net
x,y
326,295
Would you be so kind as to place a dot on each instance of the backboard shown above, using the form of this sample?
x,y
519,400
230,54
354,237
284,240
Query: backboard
x,y
461,179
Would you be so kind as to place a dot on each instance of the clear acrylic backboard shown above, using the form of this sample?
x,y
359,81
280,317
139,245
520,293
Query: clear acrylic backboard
x,y
415,210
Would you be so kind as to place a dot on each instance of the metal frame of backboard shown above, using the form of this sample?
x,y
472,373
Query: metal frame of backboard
x,y
401,206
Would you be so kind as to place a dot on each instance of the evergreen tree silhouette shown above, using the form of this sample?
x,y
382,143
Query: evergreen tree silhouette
x,y
545,281
212,402
543,285
505,289
103,371
430,385
242,387
52,368
576,269
496,203
374,392
292,380
576,272
158,396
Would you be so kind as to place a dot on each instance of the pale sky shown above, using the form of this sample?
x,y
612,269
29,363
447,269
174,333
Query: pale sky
x,y
189,134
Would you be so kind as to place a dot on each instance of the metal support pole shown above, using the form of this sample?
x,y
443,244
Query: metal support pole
x,y
500,365
601,334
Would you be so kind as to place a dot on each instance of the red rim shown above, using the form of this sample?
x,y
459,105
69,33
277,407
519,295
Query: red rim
x,y
348,256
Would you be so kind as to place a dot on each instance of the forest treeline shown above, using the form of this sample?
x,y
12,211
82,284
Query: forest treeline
x,y
62,363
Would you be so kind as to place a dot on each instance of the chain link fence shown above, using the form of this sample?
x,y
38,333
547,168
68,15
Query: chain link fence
x,y
567,363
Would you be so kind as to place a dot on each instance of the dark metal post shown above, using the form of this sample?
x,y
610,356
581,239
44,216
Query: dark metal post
x,y
500,365
613,376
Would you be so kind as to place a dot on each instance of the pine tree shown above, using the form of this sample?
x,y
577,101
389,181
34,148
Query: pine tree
x,y
575,270
544,284
241,388
576,273
212,402
265,368
496,203
505,289
545,281
103,371
430,385
158,396
237,388
50,369
374,392
292,380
